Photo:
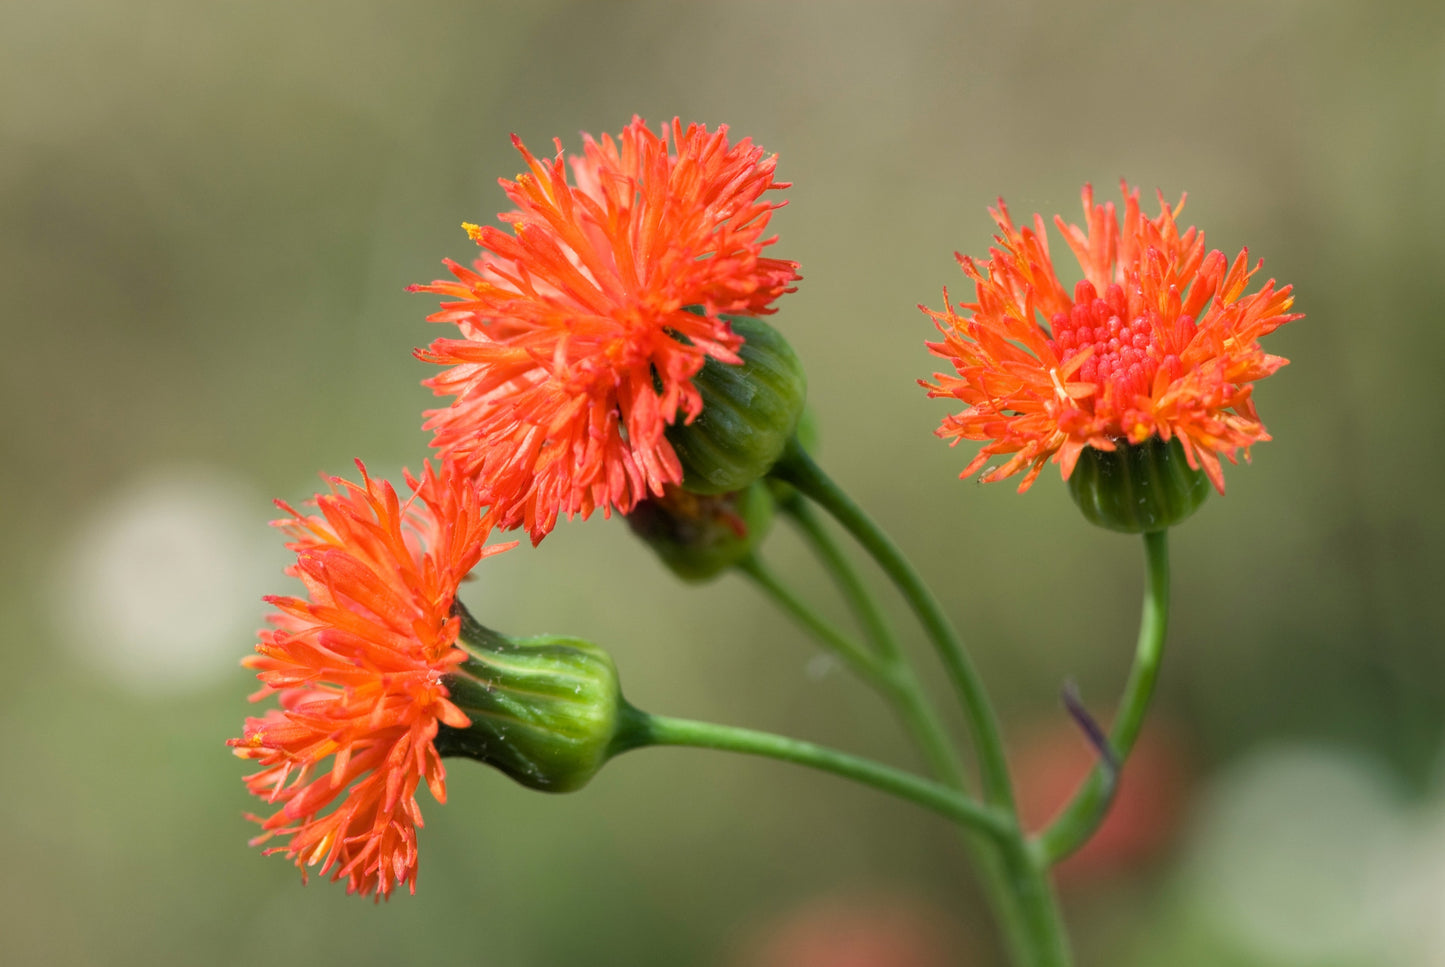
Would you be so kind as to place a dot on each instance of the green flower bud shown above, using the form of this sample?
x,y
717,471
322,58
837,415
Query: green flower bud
x,y
748,412
1137,488
698,536
544,710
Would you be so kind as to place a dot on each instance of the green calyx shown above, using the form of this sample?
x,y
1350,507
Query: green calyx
x,y
698,536
544,710
748,413
1137,488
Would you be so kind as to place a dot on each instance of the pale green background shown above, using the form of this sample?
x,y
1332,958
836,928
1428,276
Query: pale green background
x,y
208,214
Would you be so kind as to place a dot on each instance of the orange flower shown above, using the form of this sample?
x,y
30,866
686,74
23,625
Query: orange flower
x,y
358,668
1158,340
583,328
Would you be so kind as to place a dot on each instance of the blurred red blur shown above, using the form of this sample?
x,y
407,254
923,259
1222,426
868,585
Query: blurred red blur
x,y
1147,810
856,931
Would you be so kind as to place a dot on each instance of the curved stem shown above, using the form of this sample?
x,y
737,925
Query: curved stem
x,y
865,664
850,584
639,730
905,693
1018,884
903,689
1086,811
893,676
798,468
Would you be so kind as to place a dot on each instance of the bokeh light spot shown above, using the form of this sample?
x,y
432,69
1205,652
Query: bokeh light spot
x,y
159,586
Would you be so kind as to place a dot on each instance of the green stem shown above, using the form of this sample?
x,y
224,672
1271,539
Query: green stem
x,y
1018,884
905,693
845,576
888,671
797,467
1086,811
1043,925
865,664
638,729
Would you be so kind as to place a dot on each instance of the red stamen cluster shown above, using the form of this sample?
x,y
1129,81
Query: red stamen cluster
x,y
1123,353
1159,339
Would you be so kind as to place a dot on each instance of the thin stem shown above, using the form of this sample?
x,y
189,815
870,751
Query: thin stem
x,y
1086,811
798,468
905,693
903,689
1018,885
865,664
850,584
639,730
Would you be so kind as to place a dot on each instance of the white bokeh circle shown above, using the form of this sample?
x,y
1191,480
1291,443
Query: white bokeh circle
x,y
158,588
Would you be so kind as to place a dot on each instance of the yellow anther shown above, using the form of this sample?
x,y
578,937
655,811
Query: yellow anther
x,y
1059,386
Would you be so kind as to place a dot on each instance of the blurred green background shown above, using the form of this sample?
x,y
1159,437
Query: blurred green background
x,y
208,214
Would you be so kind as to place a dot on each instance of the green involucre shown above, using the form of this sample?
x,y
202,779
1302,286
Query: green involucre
x,y
544,710
748,414
1137,488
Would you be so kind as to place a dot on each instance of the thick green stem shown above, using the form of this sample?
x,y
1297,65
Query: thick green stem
x,y
1086,811
1038,907
639,729
797,467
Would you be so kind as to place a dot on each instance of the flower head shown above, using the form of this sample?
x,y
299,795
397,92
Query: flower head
x,y
1158,340
583,327
357,665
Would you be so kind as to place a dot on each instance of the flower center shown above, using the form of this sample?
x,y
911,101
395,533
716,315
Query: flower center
x,y
1126,355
